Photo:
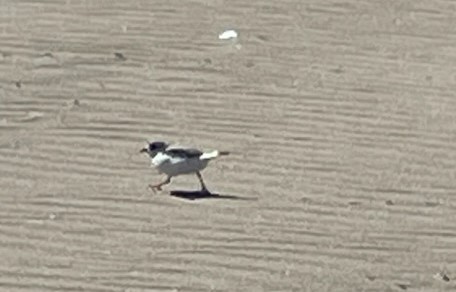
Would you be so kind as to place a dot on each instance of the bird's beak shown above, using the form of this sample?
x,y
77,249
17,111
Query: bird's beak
x,y
143,150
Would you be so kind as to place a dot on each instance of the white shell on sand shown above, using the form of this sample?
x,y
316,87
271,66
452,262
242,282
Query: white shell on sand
x,y
228,34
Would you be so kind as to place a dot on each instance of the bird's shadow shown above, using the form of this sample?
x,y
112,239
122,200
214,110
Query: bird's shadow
x,y
199,195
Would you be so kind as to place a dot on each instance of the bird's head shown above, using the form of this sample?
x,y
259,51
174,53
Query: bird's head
x,y
153,148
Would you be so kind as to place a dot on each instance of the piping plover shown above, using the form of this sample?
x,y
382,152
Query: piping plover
x,y
178,161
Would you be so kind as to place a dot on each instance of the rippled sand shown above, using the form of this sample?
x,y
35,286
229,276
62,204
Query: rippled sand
x,y
340,116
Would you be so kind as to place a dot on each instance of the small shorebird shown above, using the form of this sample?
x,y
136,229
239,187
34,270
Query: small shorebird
x,y
178,161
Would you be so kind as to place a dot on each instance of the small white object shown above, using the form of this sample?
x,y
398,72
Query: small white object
x,y
32,116
441,277
228,34
52,216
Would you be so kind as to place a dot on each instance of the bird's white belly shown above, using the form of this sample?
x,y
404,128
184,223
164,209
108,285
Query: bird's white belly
x,y
178,166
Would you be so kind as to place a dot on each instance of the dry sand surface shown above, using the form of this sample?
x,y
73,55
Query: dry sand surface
x,y
340,116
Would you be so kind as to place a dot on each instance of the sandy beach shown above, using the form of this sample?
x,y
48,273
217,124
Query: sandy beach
x,y
340,117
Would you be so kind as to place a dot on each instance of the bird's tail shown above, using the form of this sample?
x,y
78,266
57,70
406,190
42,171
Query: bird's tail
x,y
213,154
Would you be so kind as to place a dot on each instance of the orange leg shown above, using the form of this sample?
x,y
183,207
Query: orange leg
x,y
159,185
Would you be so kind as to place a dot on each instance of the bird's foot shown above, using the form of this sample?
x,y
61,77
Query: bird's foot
x,y
155,188
205,191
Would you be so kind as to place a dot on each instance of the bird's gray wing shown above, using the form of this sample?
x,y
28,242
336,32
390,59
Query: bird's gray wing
x,y
184,153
